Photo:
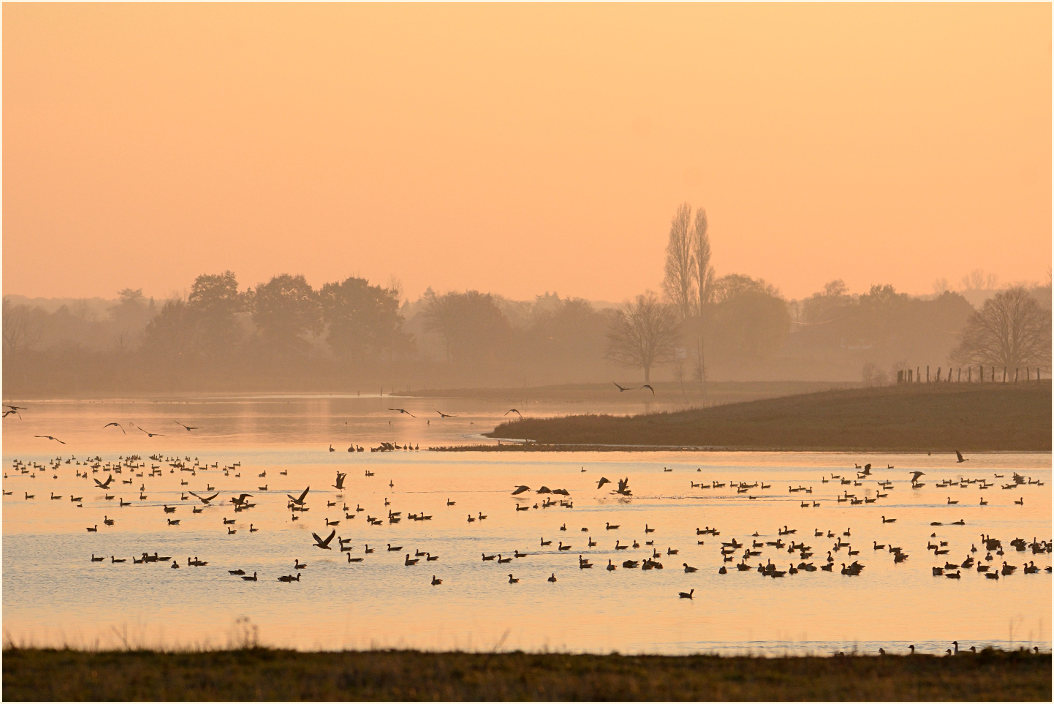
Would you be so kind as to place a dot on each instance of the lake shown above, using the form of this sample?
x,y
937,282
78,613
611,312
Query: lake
x,y
274,446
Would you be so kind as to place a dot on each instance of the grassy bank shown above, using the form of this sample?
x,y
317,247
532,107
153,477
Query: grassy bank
x,y
260,674
918,417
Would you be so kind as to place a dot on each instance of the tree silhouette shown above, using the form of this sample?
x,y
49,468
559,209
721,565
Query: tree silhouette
x,y
643,333
1011,330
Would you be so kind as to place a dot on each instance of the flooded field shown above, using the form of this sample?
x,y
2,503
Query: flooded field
x,y
532,595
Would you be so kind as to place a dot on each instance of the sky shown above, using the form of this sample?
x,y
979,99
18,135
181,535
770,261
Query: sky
x,y
522,149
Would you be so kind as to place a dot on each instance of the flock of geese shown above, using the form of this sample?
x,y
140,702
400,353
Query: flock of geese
x,y
778,553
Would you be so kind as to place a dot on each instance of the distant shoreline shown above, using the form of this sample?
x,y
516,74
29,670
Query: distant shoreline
x,y
905,418
260,674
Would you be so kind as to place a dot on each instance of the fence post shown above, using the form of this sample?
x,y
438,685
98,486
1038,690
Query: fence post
x,y
938,375
1004,375
918,376
958,374
969,374
1016,372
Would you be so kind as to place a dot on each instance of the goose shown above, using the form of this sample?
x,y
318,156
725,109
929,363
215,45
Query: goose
x,y
689,569
618,546
96,559
888,520
436,581
561,546
250,579
545,542
608,526
687,594
368,549
610,567
429,557
93,529
450,503
487,557
1021,501
552,577
175,522
231,531
289,578
408,562
324,544
503,560
117,559
513,580
236,573
353,559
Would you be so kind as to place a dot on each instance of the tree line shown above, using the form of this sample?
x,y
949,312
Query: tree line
x,y
353,335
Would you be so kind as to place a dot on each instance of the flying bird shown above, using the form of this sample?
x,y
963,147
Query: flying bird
x,y
148,433
9,411
513,410
648,387
324,544
959,455
238,500
118,425
443,415
299,501
340,481
49,437
915,476
602,481
105,484
620,386
204,499
403,410
623,487
188,427
520,489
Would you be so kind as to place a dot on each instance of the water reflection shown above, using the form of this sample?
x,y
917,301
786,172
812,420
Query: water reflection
x,y
54,594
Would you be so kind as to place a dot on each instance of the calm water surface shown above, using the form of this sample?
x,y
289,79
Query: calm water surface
x,y
53,594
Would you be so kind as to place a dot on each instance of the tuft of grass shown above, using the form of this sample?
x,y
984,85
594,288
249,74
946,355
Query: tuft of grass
x,y
909,417
257,674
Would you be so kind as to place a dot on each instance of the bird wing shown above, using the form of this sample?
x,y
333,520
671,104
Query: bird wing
x,y
331,534
602,481
649,388
513,410
619,386
302,495
959,455
209,498
520,489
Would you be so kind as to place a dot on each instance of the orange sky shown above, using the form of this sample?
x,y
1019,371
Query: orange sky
x,y
519,149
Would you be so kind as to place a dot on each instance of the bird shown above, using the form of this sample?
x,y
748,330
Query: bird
x,y
513,580
520,489
117,424
250,579
513,410
915,477
204,499
620,386
687,594
148,433
552,577
403,410
688,569
649,388
960,457
602,481
436,581
444,415
188,427
50,437
105,484
289,578
340,480
300,500
324,544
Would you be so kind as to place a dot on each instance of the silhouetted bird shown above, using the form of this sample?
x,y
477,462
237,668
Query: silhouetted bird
x,y
49,437
403,410
188,427
118,425
513,410
443,415
148,433
324,544
620,386
648,387
959,455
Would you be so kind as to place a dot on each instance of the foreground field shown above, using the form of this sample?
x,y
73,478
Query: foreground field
x,y
259,674
918,417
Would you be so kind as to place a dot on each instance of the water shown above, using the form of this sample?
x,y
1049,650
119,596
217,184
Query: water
x,y
53,594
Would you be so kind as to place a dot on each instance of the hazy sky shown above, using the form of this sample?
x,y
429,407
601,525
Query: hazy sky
x,y
519,149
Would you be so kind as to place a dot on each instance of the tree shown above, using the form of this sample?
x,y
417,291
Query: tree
x,y
643,333
704,273
213,306
748,321
472,326
19,333
679,284
284,310
362,320
1011,330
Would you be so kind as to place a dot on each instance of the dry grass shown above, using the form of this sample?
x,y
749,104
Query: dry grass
x,y
260,674
919,417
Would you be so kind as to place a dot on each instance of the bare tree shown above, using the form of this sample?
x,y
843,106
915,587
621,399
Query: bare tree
x,y
703,272
978,280
1011,331
679,282
643,333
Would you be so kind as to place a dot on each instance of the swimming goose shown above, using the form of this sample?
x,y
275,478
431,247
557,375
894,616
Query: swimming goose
x,y
250,579
513,580
552,577
687,594
436,581
408,562
289,578
689,569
